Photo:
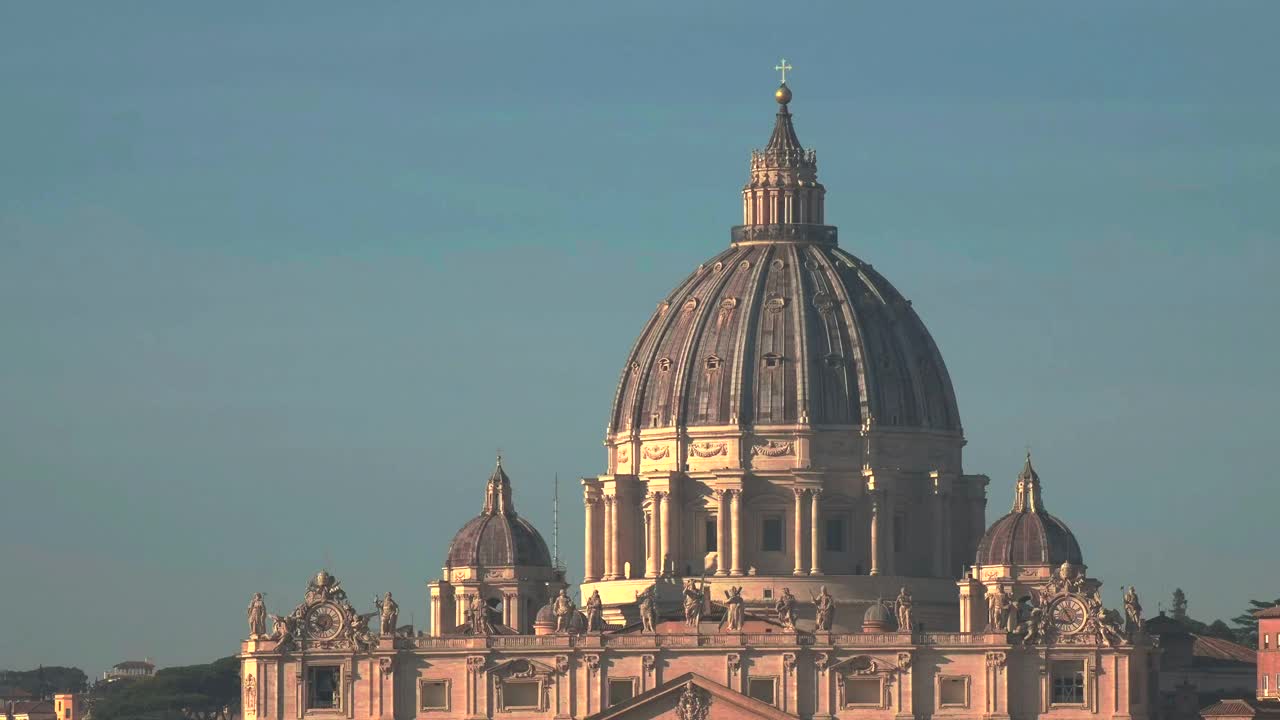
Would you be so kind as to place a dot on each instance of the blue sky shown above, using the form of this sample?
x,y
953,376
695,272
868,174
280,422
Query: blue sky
x,y
277,281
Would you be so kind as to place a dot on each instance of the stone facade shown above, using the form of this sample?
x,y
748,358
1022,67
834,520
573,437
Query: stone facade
x,y
783,455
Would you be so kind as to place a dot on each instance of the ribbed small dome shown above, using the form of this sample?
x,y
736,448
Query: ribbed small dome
x,y
1029,535
498,537
877,614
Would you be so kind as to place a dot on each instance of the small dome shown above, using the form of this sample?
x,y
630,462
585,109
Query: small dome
x,y
1029,535
498,537
877,614
546,616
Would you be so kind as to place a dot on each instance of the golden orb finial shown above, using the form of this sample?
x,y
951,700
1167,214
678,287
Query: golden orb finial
x,y
783,95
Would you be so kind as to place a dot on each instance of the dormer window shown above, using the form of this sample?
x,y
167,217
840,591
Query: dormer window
x,y
664,364
772,360
713,363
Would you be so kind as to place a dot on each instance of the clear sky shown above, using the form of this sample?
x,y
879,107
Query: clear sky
x,y
277,281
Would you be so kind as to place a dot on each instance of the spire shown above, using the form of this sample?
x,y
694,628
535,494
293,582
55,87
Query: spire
x,y
1027,496
497,493
783,201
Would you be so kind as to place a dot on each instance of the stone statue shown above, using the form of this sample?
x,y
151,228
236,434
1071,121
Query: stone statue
x,y
358,629
1034,626
1133,611
389,613
904,605
825,609
479,613
694,597
324,587
595,612
786,609
648,611
564,609
733,609
1000,610
1107,622
257,617
283,630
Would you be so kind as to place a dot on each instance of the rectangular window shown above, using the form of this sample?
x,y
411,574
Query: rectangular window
x,y
1265,677
434,694
835,534
1068,682
762,689
520,694
712,534
621,690
862,691
953,691
1266,641
324,687
771,534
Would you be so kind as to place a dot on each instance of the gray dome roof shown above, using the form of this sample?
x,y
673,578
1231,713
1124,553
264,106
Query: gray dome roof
x,y
877,614
498,537
782,333
1029,535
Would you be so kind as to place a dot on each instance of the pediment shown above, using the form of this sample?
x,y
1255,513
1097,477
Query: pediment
x,y
866,665
691,697
520,668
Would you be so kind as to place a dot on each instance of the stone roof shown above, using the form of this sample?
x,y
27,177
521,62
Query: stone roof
x,y
1242,707
1219,649
1029,535
498,536
1271,612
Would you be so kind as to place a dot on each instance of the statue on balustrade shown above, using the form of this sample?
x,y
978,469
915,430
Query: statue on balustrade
x,y
786,609
389,614
478,617
824,609
564,610
1132,611
595,612
694,597
648,610
904,605
283,630
257,617
733,609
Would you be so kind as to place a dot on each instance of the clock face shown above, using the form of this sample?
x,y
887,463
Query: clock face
x,y
1068,615
324,621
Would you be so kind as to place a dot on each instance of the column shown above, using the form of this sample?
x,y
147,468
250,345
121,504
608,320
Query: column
x,y
610,543
815,548
589,573
875,533
798,539
666,554
735,532
722,545
655,538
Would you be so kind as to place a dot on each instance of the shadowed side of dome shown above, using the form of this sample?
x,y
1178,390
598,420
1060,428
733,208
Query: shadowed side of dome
x,y
498,536
1028,535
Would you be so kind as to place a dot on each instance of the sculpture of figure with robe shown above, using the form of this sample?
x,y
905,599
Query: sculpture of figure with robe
x,y
564,610
648,611
595,612
257,617
694,597
283,629
825,609
904,605
389,614
786,609
480,617
1133,610
1034,626
733,609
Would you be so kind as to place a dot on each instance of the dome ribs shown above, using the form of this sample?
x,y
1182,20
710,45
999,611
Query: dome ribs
x,y
829,301
801,336
740,393
690,363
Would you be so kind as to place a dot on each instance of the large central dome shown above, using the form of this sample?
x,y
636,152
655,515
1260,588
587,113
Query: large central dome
x,y
785,413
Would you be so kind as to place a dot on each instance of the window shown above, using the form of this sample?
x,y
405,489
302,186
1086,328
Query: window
x,y
762,689
712,534
771,534
621,690
713,363
1068,681
1266,641
520,694
1265,678
434,695
324,687
953,691
835,534
862,691
772,361
664,364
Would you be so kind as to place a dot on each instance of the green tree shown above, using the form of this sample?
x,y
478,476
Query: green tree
x,y
1220,630
1179,604
44,681
1247,624
192,692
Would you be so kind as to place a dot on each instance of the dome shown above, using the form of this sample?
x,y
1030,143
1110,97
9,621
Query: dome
x,y
877,614
498,537
1028,535
784,327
